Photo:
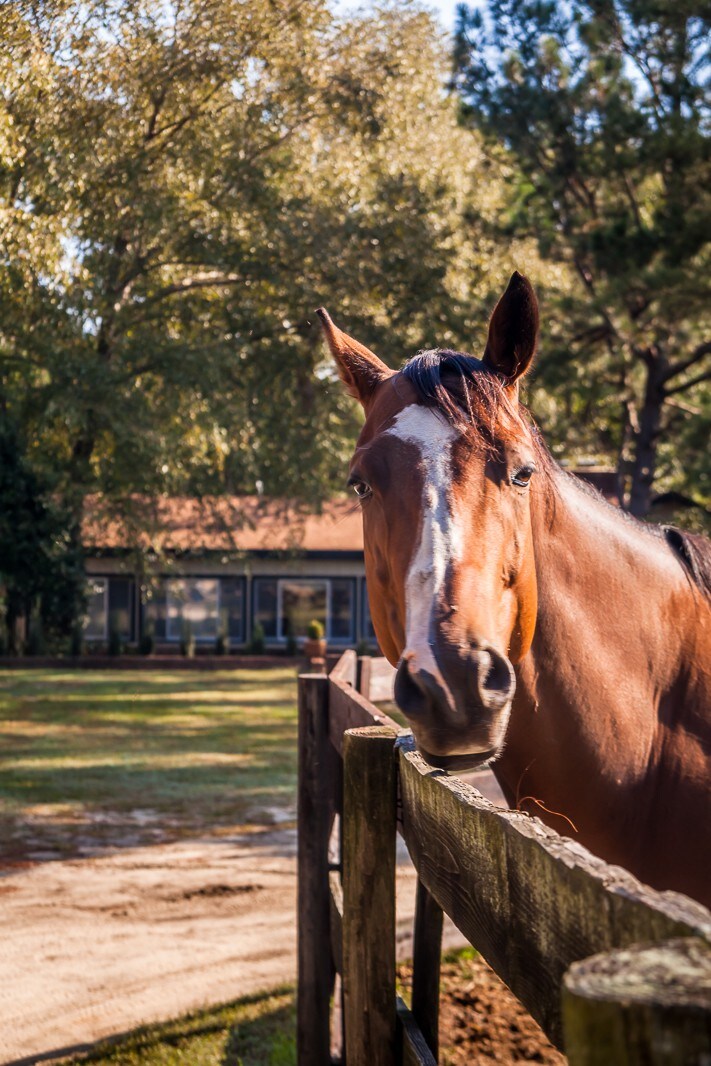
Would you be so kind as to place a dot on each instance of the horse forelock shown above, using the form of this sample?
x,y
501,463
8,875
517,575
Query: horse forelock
x,y
472,398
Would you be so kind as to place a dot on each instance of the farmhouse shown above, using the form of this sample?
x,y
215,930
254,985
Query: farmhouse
x,y
219,566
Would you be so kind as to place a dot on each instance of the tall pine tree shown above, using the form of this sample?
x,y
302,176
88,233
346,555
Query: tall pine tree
x,y
605,108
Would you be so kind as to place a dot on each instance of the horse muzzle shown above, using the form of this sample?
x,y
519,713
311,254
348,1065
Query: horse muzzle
x,y
458,711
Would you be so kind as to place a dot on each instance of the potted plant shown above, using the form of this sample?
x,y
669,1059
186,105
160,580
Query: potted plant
x,y
315,644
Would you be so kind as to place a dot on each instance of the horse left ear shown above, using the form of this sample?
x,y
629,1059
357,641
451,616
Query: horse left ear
x,y
360,369
513,330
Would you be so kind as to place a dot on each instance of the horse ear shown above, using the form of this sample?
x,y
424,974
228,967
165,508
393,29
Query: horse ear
x,y
360,369
513,330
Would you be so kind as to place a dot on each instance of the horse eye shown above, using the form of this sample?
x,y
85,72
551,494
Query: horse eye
x,y
523,476
360,488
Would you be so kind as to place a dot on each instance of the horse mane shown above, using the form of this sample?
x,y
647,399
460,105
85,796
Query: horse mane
x,y
471,397
694,552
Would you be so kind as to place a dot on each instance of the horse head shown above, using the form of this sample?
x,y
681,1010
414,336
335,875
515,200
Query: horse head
x,y
444,469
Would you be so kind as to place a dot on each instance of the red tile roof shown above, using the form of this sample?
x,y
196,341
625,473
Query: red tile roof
x,y
223,523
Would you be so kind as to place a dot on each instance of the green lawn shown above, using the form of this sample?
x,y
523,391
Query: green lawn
x,y
90,760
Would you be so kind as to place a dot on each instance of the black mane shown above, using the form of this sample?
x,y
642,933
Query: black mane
x,y
694,552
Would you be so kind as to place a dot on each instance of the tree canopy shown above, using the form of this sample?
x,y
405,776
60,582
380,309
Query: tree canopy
x,y
604,106
182,184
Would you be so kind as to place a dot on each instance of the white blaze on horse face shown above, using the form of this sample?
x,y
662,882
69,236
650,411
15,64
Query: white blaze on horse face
x,y
440,533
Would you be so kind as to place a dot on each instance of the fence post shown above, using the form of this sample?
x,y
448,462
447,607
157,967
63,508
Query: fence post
x,y
427,954
315,815
363,677
369,828
649,1004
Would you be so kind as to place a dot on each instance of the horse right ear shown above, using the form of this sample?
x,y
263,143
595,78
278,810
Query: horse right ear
x,y
360,369
513,330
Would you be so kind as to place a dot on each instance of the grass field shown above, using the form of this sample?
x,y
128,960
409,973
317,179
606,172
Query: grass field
x,y
95,760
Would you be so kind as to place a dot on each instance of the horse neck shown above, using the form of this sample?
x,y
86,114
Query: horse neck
x,y
613,629
608,579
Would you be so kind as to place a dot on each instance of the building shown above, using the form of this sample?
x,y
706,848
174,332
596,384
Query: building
x,y
219,566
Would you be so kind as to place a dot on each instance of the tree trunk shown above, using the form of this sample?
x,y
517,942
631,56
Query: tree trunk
x,y
646,437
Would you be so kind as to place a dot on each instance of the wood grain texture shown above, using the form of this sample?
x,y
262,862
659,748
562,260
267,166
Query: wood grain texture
x,y
530,901
376,679
315,812
349,710
648,1004
346,669
426,957
336,912
413,1049
369,830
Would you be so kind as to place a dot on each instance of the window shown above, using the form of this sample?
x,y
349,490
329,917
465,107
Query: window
x,y
96,618
300,602
154,610
265,606
121,593
192,604
285,606
210,606
342,622
232,608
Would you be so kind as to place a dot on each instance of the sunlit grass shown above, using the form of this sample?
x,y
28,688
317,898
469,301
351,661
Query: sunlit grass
x,y
255,1031
195,751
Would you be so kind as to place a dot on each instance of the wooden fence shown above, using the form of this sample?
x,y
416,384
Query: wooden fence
x,y
614,972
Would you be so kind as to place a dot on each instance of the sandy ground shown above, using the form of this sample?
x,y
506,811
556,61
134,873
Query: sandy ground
x,y
95,947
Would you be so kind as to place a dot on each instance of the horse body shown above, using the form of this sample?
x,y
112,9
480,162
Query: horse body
x,y
532,625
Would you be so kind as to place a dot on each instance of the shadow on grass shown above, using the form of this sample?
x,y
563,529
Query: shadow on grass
x,y
258,1030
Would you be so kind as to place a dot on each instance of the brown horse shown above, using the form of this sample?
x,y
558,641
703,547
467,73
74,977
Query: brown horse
x,y
533,625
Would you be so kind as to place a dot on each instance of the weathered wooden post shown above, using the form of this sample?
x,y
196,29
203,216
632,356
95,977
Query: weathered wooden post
x,y
648,1005
369,828
315,815
427,954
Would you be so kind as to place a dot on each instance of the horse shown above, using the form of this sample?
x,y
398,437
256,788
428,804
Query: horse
x,y
534,626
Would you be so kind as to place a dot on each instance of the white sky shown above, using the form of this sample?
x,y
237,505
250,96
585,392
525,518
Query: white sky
x,y
444,8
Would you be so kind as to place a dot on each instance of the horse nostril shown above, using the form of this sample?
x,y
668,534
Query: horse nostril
x,y
495,679
408,694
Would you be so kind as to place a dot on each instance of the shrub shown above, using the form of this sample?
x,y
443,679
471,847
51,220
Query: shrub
x,y
76,641
115,646
315,630
222,644
147,643
257,644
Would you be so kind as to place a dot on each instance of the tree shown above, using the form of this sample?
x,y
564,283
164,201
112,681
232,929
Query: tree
x,y
604,106
182,184
41,572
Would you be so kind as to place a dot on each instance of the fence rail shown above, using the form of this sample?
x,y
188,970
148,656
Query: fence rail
x,y
551,919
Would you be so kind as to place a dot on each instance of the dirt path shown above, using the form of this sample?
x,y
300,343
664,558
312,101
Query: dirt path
x,y
94,947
